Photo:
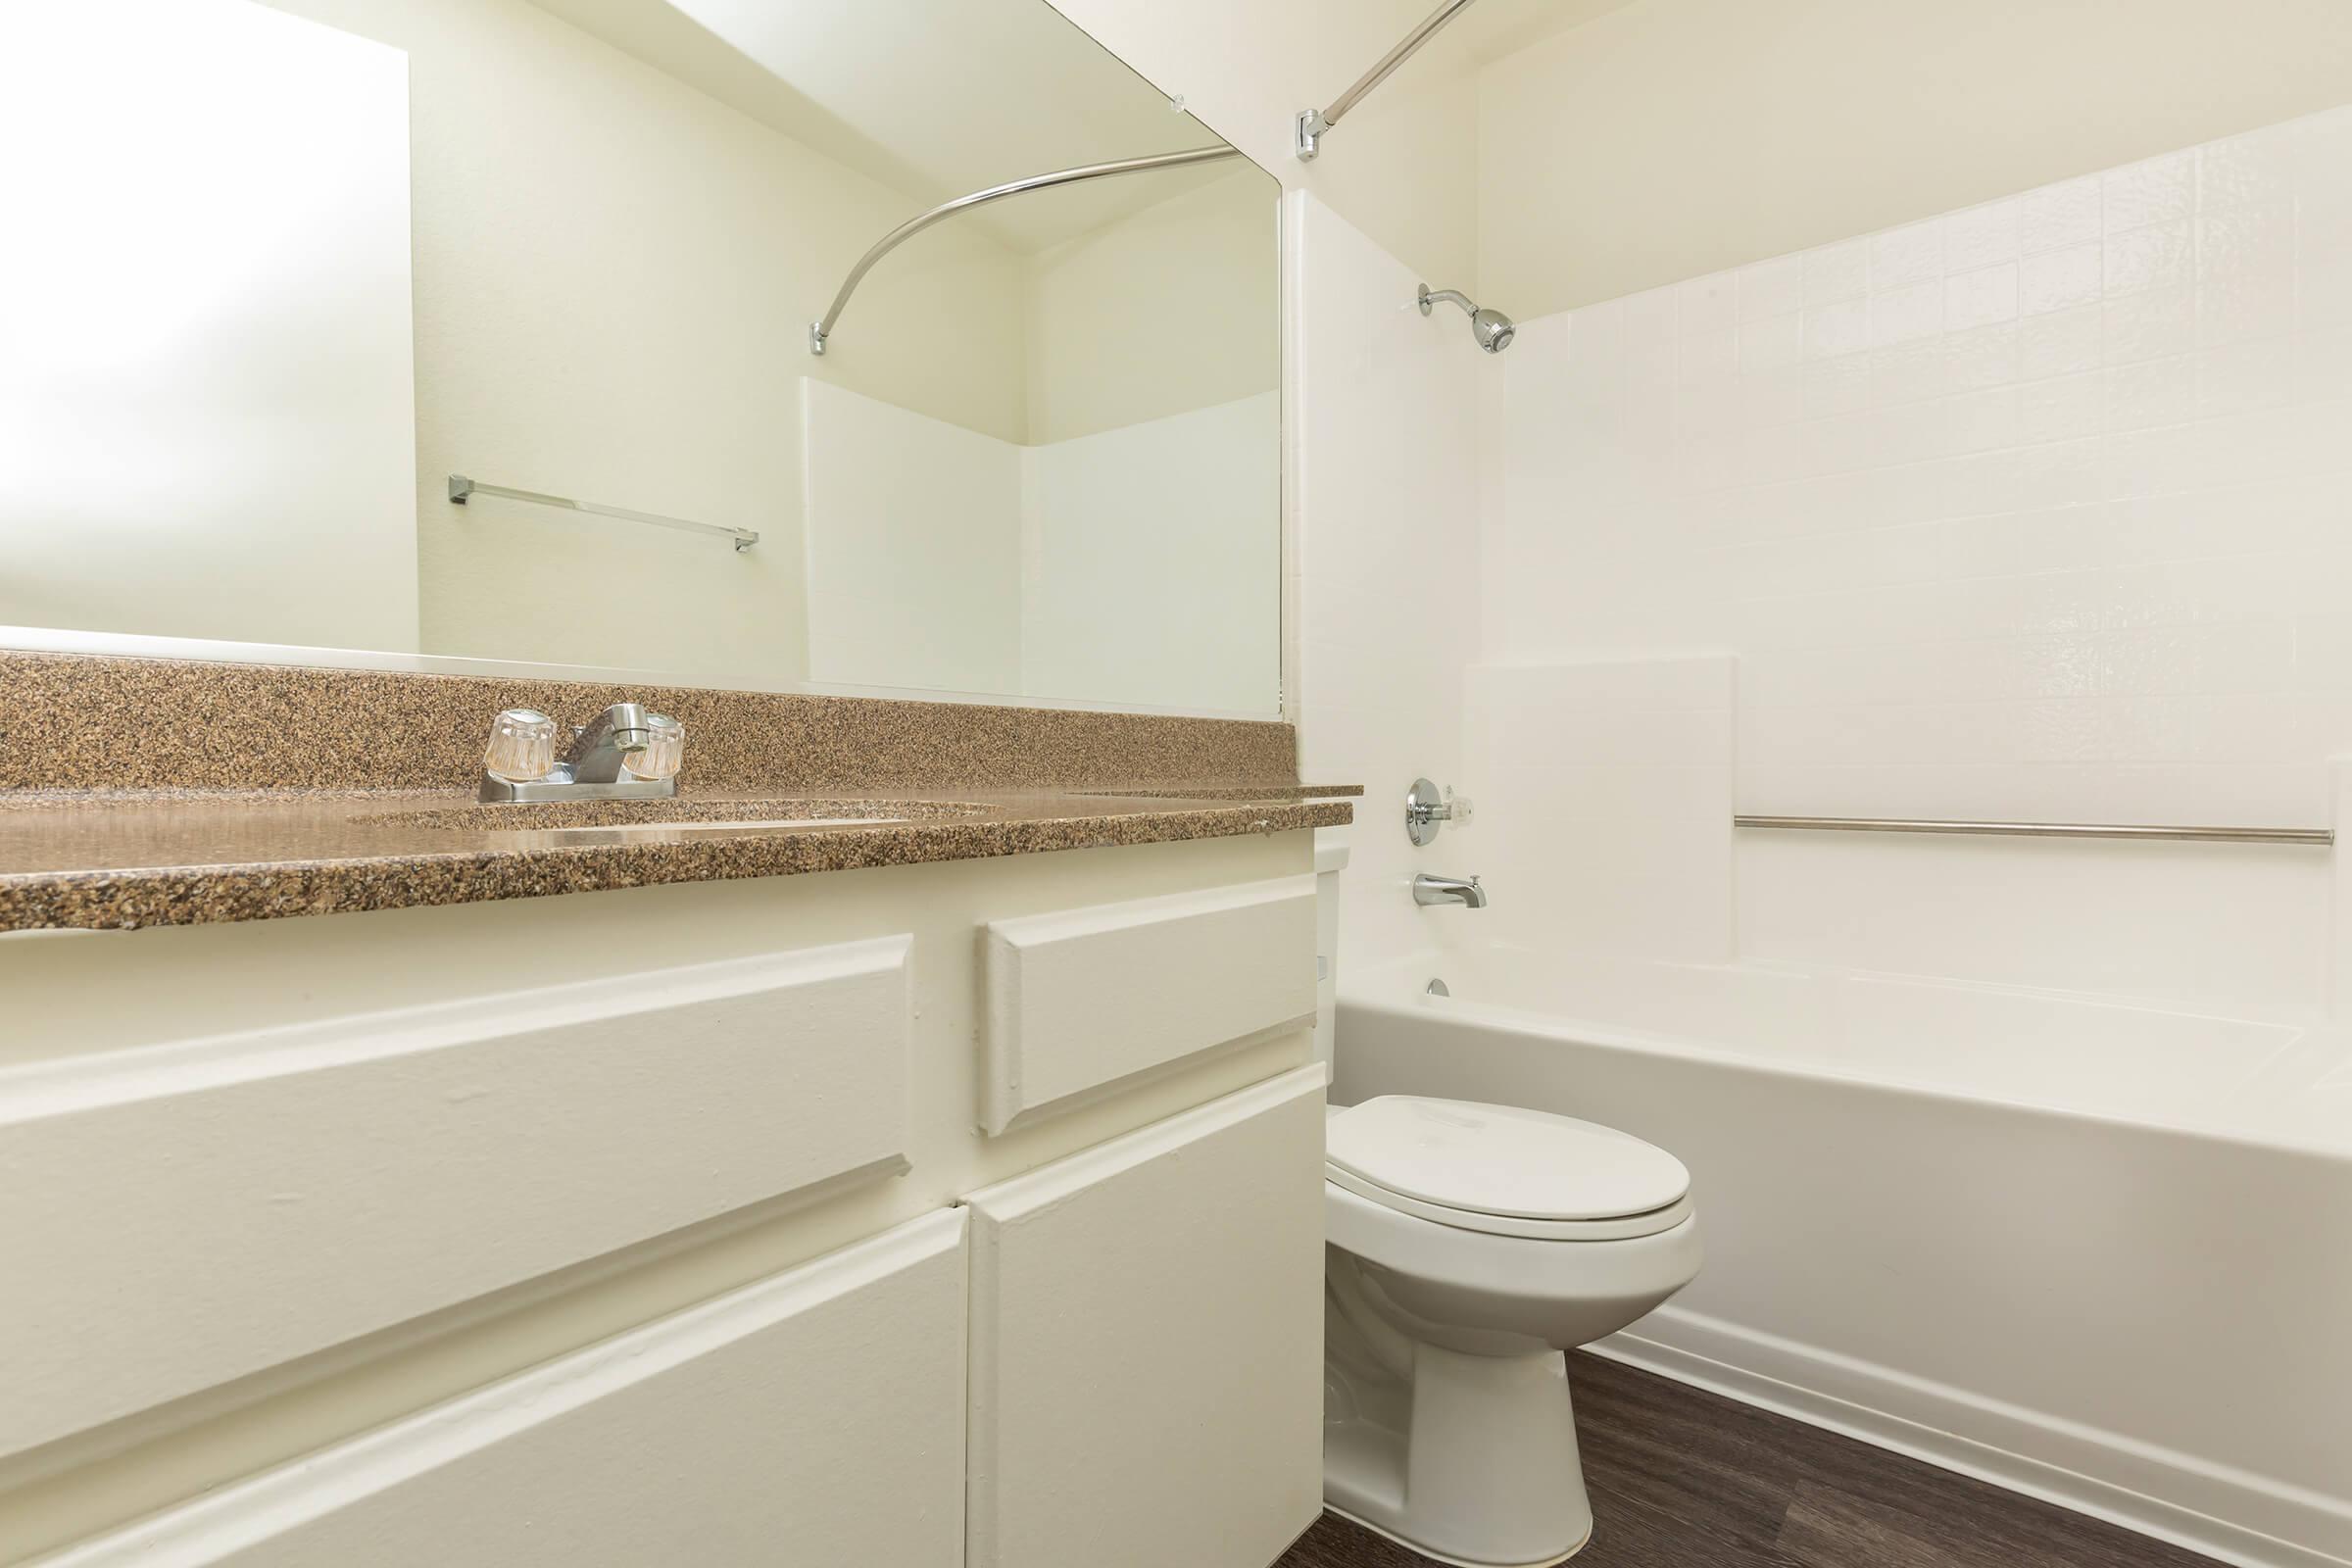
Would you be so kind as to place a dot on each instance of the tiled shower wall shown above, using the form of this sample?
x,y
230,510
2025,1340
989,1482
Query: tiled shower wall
x,y
2040,510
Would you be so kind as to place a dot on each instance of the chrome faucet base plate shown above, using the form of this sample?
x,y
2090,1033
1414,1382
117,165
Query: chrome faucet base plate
x,y
496,791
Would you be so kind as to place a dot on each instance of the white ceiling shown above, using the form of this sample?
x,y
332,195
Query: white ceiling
x,y
934,98
1493,29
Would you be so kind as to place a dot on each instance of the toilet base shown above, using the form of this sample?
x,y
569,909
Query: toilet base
x,y
1471,1459
1450,1562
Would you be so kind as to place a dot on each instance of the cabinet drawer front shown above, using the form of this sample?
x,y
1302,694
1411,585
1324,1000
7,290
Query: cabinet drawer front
x,y
814,1417
1147,1343
1082,999
181,1215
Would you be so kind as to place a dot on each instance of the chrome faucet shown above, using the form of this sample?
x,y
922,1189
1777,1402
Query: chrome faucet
x,y
626,753
1429,890
608,740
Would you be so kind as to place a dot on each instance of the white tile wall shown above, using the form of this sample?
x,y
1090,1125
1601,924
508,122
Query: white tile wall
x,y
2041,509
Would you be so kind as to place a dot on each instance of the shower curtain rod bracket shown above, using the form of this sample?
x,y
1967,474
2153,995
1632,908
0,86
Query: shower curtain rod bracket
x,y
1307,134
1308,128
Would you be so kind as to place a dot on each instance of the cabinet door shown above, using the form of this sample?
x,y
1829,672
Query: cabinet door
x,y
810,1420
1147,1344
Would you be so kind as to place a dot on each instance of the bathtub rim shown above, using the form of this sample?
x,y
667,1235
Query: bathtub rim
x,y
1378,987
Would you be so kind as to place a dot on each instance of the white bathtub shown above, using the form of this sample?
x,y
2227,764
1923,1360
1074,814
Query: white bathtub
x,y
2101,1253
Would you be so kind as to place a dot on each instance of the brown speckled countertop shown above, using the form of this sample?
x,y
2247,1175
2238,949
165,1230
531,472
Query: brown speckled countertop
x,y
119,861
143,792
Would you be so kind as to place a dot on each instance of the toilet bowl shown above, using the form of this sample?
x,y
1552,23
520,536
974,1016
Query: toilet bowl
x,y
1468,1246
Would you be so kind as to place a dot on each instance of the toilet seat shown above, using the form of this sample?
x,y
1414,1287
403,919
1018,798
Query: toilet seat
x,y
1501,1170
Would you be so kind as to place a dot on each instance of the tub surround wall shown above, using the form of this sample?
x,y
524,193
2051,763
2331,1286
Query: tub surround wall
x,y
1385,574
1626,763
1138,565
2038,511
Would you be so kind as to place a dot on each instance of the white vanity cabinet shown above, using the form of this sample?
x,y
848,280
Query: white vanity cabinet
x,y
1147,1343
965,1212
815,1417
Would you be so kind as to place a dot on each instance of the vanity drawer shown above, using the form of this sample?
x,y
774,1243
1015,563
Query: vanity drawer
x,y
1081,1003
186,1215
815,1417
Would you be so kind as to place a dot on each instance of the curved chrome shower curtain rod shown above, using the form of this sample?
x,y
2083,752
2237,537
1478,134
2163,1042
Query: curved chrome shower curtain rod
x,y
821,329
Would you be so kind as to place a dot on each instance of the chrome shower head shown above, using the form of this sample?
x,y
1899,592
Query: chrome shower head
x,y
1492,329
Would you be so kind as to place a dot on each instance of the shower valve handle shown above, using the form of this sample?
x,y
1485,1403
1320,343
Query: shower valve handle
x,y
1425,807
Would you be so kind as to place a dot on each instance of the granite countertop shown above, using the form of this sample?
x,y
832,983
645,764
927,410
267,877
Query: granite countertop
x,y
125,859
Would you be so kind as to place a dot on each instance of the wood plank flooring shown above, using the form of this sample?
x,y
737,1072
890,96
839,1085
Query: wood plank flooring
x,y
1685,1479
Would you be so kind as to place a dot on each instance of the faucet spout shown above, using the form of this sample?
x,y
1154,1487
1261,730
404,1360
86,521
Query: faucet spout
x,y
608,740
1433,890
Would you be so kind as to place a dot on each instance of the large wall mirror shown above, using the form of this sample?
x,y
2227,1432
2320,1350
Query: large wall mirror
x,y
286,267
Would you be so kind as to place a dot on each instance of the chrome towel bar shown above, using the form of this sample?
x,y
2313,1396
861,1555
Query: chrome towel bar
x,y
2044,830
460,487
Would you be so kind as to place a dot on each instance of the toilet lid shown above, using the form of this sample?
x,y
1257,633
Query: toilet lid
x,y
1500,1160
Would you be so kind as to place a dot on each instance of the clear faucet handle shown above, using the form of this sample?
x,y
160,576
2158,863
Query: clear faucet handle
x,y
522,747
664,751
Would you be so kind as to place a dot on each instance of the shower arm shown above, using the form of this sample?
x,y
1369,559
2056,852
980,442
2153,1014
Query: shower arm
x,y
820,331
1308,128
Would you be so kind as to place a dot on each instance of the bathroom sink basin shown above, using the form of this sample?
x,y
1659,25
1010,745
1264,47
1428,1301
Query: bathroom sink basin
x,y
622,821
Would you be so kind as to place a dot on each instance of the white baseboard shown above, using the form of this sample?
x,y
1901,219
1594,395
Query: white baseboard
x,y
2237,1517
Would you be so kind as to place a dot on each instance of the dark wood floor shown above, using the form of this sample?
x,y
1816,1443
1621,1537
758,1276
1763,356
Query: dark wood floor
x,y
1685,1479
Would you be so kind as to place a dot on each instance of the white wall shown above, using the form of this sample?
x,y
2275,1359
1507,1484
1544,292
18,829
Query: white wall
x,y
2035,511
613,279
1171,309
203,325
1675,137
1385,574
1402,167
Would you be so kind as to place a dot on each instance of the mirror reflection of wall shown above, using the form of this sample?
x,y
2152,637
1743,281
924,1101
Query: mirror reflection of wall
x,y
1039,458
205,386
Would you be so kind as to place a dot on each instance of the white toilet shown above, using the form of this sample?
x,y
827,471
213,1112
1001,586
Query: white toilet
x,y
1468,1246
